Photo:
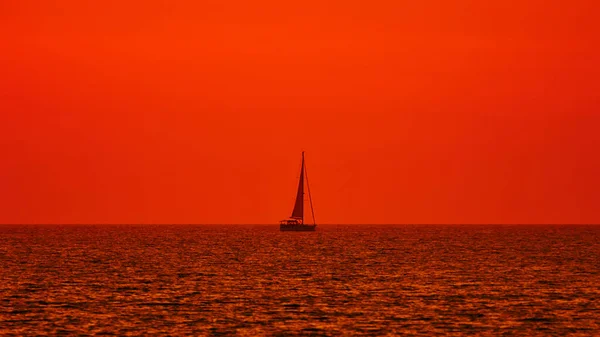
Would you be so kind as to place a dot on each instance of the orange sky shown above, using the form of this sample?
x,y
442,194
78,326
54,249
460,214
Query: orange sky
x,y
430,111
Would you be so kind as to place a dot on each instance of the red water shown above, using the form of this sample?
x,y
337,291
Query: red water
x,y
255,280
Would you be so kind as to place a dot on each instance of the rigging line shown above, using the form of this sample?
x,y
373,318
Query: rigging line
x,y
312,211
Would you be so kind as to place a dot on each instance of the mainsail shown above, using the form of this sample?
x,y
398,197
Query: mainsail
x,y
298,212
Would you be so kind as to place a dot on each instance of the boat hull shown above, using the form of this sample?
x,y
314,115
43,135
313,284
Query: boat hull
x,y
297,228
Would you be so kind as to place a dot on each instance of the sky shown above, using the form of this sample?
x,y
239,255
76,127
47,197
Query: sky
x,y
431,111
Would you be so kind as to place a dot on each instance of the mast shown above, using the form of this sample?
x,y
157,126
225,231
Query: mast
x,y
312,211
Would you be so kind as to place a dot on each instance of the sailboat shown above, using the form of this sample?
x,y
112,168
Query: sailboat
x,y
296,222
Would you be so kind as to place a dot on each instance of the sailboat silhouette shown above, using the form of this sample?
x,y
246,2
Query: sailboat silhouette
x,y
296,222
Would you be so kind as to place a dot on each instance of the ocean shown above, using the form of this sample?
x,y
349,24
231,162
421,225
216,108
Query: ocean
x,y
421,280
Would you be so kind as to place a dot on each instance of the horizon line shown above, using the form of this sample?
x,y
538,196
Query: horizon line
x,y
275,225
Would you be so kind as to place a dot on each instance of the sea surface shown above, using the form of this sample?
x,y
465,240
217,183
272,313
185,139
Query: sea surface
x,y
426,280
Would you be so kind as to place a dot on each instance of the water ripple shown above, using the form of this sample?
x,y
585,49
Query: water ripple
x,y
254,280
